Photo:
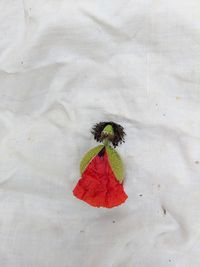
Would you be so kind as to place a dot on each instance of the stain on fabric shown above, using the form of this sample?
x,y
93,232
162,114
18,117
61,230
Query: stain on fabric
x,y
164,210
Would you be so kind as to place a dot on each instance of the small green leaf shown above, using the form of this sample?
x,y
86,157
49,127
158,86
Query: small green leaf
x,y
89,156
108,129
115,163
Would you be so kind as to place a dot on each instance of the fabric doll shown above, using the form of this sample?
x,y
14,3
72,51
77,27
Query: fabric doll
x,y
102,172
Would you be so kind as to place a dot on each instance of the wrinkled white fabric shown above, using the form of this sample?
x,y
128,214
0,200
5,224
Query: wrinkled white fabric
x,y
65,65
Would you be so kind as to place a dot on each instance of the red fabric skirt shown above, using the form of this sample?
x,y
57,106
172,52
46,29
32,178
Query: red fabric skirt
x,y
98,185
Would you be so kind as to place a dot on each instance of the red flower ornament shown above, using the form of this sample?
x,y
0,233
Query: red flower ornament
x,y
102,172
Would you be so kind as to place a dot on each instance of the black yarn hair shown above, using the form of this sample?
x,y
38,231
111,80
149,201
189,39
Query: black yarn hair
x,y
116,139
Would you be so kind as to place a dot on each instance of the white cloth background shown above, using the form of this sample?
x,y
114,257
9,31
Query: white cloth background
x,y
65,65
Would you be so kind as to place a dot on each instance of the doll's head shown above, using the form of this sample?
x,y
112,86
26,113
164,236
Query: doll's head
x,y
111,131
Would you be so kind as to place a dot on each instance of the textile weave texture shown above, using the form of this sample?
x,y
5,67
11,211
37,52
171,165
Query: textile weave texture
x,y
65,65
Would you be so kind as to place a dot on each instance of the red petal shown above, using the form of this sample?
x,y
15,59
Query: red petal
x,y
98,185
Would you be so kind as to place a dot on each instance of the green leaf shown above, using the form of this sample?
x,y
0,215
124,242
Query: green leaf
x,y
115,163
89,156
108,129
